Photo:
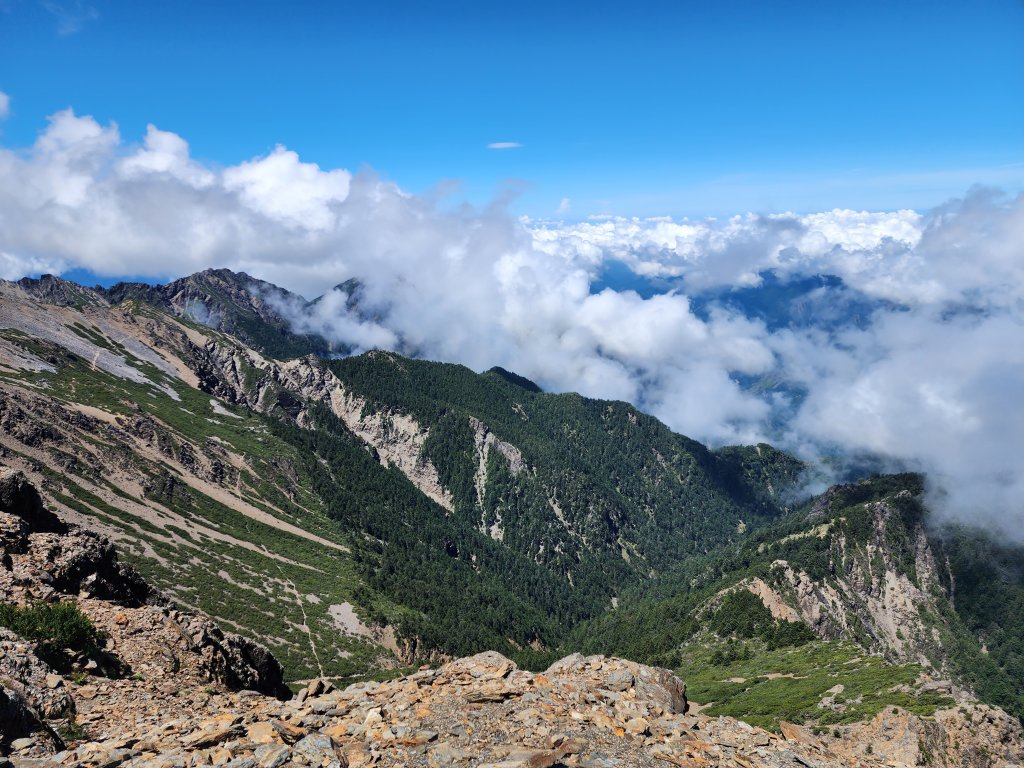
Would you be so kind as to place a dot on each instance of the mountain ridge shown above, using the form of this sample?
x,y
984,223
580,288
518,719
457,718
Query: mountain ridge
x,y
371,511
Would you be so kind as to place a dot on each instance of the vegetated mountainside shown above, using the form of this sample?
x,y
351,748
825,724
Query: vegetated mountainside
x,y
327,507
100,671
375,510
596,491
860,564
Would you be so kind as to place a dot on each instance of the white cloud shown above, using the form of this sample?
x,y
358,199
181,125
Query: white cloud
x,y
5,105
563,207
15,267
165,152
933,383
504,145
282,187
711,253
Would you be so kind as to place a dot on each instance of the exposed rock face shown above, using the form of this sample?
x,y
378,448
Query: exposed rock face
x,y
969,736
19,498
30,681
867,598
484,441
397,438
59,292
236,661
81,565
242,376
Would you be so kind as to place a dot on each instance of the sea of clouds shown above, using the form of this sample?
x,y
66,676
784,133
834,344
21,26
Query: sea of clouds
x,y
929,377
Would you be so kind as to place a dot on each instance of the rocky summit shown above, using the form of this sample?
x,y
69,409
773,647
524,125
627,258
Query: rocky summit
x,y
169,689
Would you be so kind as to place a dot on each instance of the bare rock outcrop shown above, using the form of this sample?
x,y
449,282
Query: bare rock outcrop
x,y
18,497
57,557
481,711
234,660
30,691
867,597
44,558
484,712
970,735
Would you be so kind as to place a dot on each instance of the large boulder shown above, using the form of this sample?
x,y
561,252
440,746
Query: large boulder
x,y
652,685
20,498
81,562
29,682
236,661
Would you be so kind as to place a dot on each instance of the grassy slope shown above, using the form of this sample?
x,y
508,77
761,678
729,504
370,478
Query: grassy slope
x,y
764,686
245,590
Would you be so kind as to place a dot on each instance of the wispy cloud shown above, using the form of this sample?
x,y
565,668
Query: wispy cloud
x,y
505,145
71,15
5,105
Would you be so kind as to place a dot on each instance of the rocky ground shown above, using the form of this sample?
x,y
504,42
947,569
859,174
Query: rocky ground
x,y
183,693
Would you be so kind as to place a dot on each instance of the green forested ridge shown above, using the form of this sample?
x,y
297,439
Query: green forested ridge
x,y
634,498
986,579
458,589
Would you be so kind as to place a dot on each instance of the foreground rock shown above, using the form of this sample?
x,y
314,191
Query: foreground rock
x,y
42,559
479,711
482,711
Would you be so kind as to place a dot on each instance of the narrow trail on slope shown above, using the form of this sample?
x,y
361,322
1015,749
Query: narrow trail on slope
x,y
302,609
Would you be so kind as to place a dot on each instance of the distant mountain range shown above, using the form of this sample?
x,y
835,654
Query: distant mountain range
x,y
369,511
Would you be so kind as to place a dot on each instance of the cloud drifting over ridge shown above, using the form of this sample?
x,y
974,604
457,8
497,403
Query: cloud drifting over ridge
x,y
930,377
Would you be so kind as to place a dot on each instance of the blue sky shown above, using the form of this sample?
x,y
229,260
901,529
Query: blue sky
x,y
640,108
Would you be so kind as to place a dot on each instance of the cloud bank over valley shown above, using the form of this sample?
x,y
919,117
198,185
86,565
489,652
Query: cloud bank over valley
x,y
892,334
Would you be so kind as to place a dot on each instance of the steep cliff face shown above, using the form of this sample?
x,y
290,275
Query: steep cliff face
x,y
485,441
397,438
966,736
883,594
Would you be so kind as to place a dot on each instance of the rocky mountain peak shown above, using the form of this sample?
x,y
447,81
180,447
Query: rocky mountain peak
x,y
256,312
51,289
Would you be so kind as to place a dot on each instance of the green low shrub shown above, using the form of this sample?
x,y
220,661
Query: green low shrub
x,y
53,627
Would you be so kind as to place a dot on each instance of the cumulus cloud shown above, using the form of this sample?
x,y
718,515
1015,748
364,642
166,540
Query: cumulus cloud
x,y
283,188
504,145
711,253
927,374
